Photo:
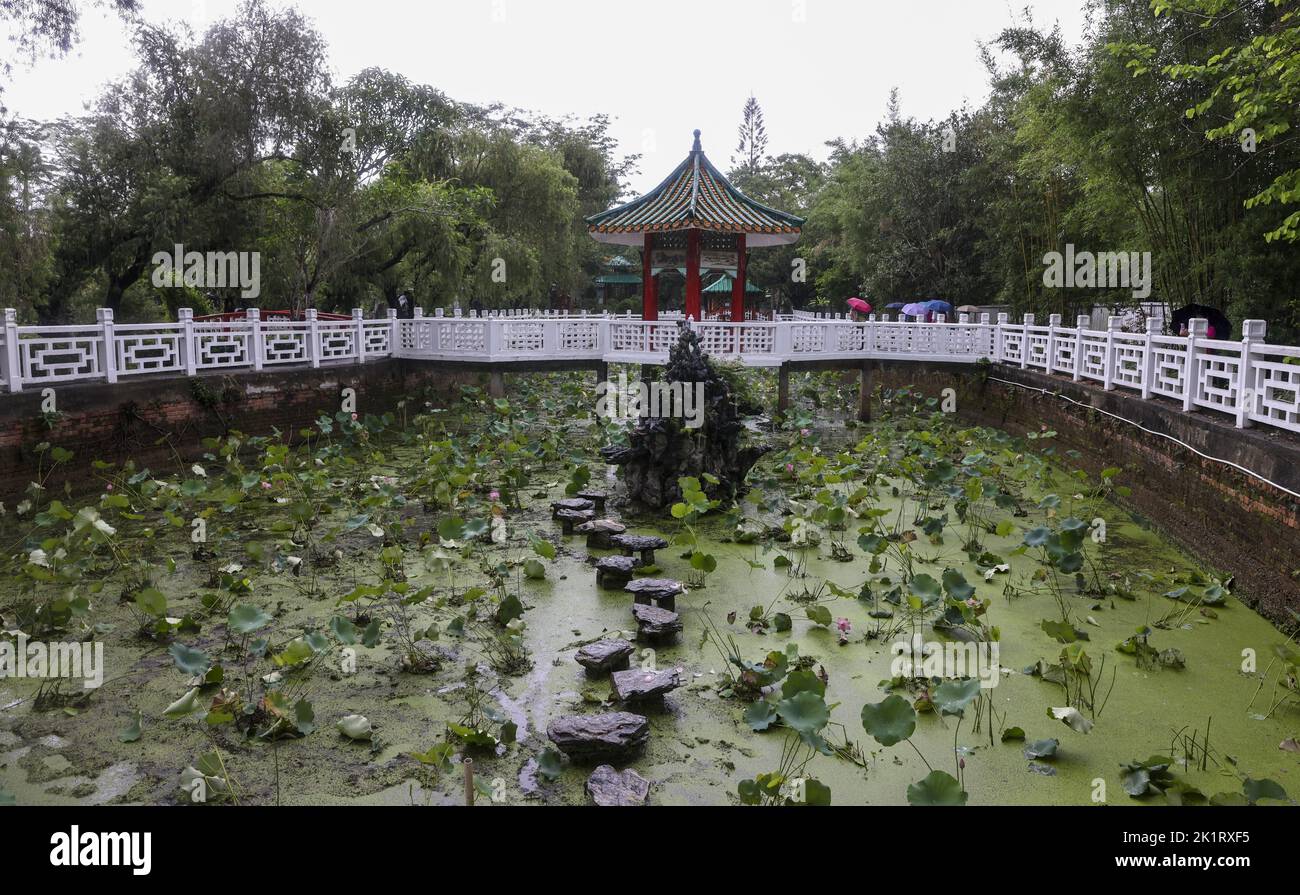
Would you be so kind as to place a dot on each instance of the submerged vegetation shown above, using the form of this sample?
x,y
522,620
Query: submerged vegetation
x,y
908,611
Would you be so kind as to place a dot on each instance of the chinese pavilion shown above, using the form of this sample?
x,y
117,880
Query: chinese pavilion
x,y
695,220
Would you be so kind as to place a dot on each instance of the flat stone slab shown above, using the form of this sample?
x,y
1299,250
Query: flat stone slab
x,y
617,789
599,531
572,503
605,655
598,736
570,518
662,592
640,542
638,685
597,498
614,571
646,545
655,622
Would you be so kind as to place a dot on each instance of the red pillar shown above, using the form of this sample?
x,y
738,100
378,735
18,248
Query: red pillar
x,y
649,287
693,275
738,285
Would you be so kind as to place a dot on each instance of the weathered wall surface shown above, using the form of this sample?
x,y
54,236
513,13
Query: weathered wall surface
x,y
155,421
1227,519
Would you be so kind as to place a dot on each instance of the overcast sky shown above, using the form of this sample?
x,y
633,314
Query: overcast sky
x,y
819,68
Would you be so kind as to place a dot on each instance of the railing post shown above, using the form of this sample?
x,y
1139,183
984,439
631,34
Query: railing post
x,y
1197,328
359,324
1252,331
393,333
999,338
1053,323
313,338
493,333
603,334
1024,342
1081,324
987,337
783,341
1149,355
12,357
551,338
1108,377
185,346
108,360
256,350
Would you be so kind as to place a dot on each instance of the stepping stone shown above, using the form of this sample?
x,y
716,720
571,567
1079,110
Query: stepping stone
x,y
572,503
660,592
570,518
597,499
617,789
610,735
646,545
638,685
599,531
614,572
653,622
605,655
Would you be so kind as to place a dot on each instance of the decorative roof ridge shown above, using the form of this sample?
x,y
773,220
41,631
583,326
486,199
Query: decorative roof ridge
x,y
699,206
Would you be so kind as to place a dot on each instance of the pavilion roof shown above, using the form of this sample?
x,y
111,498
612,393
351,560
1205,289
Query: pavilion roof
x,y
696,196
724,284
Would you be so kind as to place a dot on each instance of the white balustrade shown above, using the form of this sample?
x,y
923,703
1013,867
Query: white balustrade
x,y
1248,380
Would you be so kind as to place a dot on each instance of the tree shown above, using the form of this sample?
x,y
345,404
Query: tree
x,y
1259,78
752,148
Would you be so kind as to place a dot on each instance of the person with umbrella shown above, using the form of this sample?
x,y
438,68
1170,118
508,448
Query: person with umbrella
x,y
1220,326
858,306
917,309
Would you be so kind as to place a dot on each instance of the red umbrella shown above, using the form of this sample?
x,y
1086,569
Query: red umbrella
x,y
859,305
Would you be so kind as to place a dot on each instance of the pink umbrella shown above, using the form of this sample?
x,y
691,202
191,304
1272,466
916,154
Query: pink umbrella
x,y
859,305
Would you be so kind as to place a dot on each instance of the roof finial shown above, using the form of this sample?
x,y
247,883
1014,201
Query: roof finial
x,y
697,147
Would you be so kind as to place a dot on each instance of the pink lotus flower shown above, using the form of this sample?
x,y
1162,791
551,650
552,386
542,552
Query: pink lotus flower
x,y
805,432
110,486
789,467
355,417
495,495
844,625
266,486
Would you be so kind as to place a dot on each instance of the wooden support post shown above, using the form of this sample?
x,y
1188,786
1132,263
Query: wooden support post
x,y
693,289
864,393
738,286
782,390
649,286
497,384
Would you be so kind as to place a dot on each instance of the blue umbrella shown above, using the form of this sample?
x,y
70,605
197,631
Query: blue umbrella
x,y
938,307
896,306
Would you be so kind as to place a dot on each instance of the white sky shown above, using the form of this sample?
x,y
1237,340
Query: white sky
x,y
820,68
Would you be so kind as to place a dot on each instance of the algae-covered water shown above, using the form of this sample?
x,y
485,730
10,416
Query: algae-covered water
x,y
1206,690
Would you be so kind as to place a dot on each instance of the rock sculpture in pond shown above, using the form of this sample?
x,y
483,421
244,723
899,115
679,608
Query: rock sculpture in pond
x,y
663,449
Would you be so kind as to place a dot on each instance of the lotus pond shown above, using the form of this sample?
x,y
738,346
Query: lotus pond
x,y
346,618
